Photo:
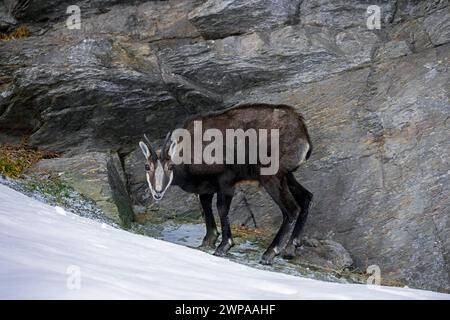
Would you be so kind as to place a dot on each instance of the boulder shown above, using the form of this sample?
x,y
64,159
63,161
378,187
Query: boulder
x,y
97,176
326,254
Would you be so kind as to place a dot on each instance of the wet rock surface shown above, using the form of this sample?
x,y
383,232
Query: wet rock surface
x,y
318,259
376,102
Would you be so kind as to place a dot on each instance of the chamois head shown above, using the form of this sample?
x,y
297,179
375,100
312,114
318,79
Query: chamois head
x,y
158,166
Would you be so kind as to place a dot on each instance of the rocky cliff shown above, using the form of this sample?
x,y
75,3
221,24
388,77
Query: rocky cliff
x,y
376,102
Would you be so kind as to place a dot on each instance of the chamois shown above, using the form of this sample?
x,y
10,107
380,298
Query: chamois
x,y
207,178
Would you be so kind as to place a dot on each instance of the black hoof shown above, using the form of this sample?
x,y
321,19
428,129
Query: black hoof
x,y
266,262
223,248
267,258
289,252
208,243
220,253
288,256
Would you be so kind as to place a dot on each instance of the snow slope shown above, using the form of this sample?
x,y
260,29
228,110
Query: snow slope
x,y
42,248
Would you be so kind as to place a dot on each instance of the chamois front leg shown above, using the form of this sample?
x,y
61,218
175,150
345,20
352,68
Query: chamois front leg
x,y
223,206
209,241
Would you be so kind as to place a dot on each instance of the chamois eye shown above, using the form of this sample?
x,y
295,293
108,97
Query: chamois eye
x,y
170,166
147,167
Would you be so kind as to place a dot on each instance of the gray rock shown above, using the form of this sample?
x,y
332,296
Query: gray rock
x,y
412,33
16,8
437,26
6,20
393,49
292,53
149,21
97,176
325,254
253,207
412,9
220,19
54,10
343,14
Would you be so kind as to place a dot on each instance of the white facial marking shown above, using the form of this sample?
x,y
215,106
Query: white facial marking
x,y
170,182
154,190
159,177
149,183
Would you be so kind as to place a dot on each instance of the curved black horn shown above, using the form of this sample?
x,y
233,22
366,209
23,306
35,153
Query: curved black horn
x,y
165,146
149,145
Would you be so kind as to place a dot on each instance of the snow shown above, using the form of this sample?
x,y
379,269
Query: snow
x,y
49,253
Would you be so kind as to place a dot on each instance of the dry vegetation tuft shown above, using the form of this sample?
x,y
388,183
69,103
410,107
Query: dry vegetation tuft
x,y
14,159
18,33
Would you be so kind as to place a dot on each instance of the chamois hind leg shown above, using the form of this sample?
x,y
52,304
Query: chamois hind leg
x,y
279,191
304,200
209,241
223,206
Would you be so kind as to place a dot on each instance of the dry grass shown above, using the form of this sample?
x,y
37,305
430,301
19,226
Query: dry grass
x,y
245,231
18,33
16,159
257,235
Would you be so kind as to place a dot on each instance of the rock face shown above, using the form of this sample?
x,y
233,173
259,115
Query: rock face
x,y
7,21
376,102
220,19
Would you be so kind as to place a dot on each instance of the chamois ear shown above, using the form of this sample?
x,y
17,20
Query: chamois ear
x,y
144,149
